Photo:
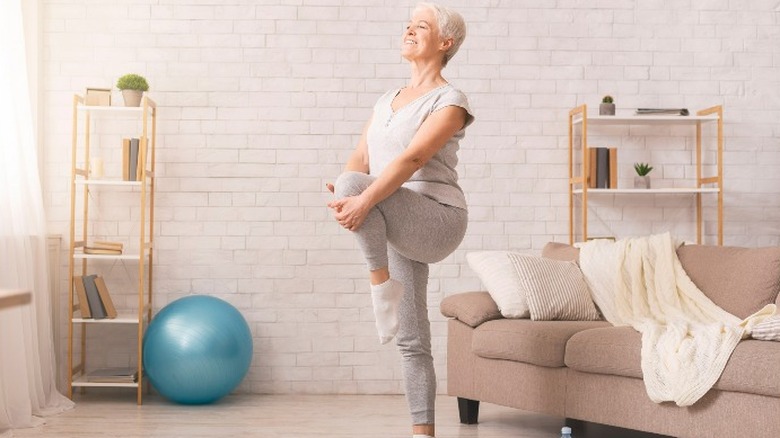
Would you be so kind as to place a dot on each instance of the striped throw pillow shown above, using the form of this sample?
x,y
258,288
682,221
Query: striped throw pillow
x,y
555,290
768,329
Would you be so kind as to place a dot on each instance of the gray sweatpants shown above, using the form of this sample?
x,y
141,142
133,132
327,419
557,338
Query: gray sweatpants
x,y
405,233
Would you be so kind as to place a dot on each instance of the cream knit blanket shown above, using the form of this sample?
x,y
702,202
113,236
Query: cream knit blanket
x,y
686,338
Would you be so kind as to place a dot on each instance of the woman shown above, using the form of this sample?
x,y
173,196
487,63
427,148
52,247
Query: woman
x,y
399,195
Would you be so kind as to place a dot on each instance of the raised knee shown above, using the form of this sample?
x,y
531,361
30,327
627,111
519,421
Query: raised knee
x,y
351,183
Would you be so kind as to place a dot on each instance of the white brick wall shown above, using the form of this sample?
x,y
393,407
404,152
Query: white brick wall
x,y
262,101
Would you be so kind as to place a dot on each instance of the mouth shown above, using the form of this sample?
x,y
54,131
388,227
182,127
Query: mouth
x,y
410,42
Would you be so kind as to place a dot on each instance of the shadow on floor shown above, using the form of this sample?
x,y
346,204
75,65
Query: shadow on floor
x,y
584,429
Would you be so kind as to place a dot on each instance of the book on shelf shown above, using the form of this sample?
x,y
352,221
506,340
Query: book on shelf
x,y
613,168
602,168
132,170
105,244
592,170
105,297
141,162
662,111
113,375
81,293
104,247
101,251
93,297
125,159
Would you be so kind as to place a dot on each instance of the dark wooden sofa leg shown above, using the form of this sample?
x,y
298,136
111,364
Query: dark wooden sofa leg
x,y
468,410
577,426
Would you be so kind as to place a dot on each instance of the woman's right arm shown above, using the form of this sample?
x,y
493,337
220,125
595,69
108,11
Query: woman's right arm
x,y
358,160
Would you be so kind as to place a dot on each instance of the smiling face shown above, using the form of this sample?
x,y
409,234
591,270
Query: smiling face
x,y
421,40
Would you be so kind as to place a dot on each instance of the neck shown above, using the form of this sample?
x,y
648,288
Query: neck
x,y
426,75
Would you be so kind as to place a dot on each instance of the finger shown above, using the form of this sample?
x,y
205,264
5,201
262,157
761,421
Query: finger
x,y
341,217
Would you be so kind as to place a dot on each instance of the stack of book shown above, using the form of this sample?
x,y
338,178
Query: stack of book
x,y
603,168
104,247
132,161
94,299
114,375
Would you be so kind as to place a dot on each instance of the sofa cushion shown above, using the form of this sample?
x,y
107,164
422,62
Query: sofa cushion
x,y
471,308
561,251
500,279
554,289
768,329
752,367
608,350
539,343
739,280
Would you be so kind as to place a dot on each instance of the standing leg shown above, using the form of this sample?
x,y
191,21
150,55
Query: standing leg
x,y
414,342
399,238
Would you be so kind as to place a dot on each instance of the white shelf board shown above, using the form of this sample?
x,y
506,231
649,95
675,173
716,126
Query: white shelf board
x,y
671,191
121,318
136,256
82,381
646,120
108,182
117,320
135,110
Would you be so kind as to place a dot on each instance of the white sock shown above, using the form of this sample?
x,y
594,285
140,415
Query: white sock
x,y
386,298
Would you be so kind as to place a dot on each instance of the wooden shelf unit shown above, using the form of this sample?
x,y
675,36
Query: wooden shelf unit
x,y
83,118
703,185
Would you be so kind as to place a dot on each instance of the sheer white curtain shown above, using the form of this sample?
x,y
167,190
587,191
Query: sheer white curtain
x,y
27,362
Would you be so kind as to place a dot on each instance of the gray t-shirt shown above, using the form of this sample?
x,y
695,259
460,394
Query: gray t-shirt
x,y
391,132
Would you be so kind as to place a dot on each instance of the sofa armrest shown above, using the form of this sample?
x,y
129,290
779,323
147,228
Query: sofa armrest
x,y
471,308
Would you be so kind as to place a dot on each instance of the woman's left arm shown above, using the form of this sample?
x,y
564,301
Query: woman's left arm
x,y
433,134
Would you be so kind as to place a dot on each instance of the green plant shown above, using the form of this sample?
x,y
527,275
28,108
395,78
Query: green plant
x,y
132,81
607,99
642,169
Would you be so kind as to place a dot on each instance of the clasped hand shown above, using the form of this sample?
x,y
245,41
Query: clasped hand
x,y
349,212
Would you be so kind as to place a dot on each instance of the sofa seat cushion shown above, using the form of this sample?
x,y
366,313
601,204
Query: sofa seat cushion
x,y
607,350
539,343
751,369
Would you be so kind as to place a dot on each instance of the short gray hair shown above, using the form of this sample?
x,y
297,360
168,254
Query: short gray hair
x,y
451,25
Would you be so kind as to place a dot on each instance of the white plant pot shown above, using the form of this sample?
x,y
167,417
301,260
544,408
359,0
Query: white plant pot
x,y
132,97
607,109
641,182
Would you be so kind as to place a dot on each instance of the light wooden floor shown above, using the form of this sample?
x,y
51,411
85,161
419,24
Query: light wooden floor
x,y
298,416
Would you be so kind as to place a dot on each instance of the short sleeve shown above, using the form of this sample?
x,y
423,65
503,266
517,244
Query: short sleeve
x,y
454,97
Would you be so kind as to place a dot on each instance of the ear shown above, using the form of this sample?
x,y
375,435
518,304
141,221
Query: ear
x,y
446,44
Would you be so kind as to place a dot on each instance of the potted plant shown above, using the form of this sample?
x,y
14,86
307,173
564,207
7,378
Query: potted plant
x,y
133,87
642,180
607,106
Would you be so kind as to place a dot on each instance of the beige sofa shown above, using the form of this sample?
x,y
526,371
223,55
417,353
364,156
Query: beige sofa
x,y
590,370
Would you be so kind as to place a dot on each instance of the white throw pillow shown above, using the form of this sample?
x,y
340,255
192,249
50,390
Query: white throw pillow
x,y
768,329
499,277
554,289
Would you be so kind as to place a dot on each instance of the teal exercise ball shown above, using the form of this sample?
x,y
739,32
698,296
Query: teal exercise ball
x,y
197,349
